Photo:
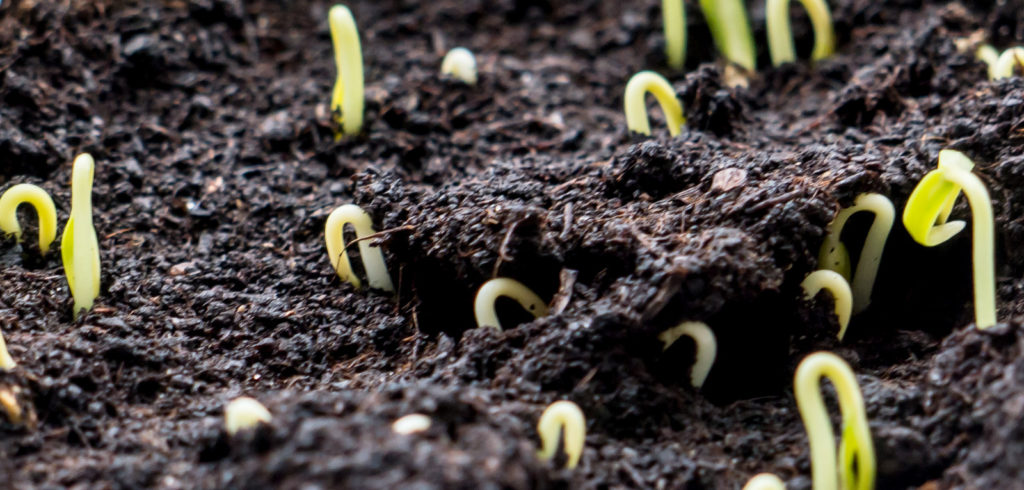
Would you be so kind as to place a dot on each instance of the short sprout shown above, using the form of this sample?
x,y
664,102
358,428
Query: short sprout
x,y
411,424
703,339
558,416
730,29
636,107
483,305
841,295
930,205
990,56
6,361
1010,59
373,258
855,444
9,405
765,481
834,255
38,199
673,13
79,247
244,413
780,35
460,63
347,100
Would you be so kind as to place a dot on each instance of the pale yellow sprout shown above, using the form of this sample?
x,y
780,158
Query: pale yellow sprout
x,y
834,255
38,199
855,444
244,413
707,348
348,98
411,424
727,20
483,305
990,56
460,63
79,247
841,295
9,404
6,361
636,108
765,481
673,15
1007,61
780,35
562,415
373,258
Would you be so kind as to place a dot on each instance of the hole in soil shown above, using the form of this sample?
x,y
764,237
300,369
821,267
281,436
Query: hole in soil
x,y
349,237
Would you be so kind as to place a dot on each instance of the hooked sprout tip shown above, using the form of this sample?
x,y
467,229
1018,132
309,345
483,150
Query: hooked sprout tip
x,y
483,304
706,348
558,416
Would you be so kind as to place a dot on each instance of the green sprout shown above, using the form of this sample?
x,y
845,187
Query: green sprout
x,y
765,481
6,361
855,444
636,108
673,13
244,413
707,348
483,305
45,210
834,255
840,289
373,258
1000,65
558,416
348,97
460,63
79,247
411,424
730,29
930,205
780,35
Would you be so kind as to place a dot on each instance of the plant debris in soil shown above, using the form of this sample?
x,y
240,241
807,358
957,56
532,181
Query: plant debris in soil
x,y
217,167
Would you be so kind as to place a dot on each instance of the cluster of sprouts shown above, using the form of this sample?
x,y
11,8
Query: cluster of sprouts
x,y
1001,65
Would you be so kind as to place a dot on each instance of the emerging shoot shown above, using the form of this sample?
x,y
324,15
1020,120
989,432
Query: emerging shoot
x,y
930,205
673,13
730,29
348,97
483,305
9,405
244,413
765,481
855,443
411,424
834,255
460,63
373,258
780,35
841,295
636,107
1010,59
6,361
79,247
990,56
38,199
562,415
703,339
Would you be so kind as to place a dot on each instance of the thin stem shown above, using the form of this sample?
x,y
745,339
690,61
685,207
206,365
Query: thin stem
x,y
730,29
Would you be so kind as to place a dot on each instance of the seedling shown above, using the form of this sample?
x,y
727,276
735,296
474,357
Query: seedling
x,y
855,444
244,413
38,199
636,108
460,63
834,255
483,305
990,56
780,35
558,416
841,295
930,205
9,404
674,16
373,258
348,98
707,348
79,247
730,29
1010,59
765,481
6,361
411,424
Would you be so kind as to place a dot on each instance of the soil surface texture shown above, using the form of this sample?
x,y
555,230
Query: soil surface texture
x,y
217,167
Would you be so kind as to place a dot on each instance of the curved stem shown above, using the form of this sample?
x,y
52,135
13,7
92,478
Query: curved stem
x,y
988,55
460,63
1006,62
706,348
983,245
780,34
636,108
841,295
483,305
45,210
673,13
371,255
559,415
833,255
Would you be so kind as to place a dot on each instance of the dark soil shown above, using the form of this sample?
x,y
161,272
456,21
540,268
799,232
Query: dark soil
x,y
217,167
